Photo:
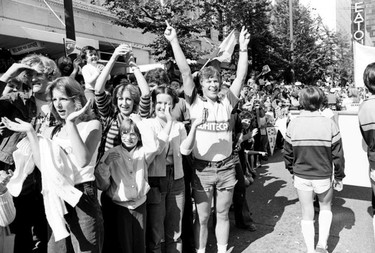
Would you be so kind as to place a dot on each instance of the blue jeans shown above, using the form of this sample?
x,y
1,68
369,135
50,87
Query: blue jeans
x,y
165,205
85,223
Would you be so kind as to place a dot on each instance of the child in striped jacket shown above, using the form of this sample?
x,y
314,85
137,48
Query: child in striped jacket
x,y
312,146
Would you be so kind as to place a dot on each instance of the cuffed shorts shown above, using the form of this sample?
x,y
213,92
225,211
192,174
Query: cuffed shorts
x,y
316,185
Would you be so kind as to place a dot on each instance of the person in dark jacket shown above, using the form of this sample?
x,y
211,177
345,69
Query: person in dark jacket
x,y
366,118
312,144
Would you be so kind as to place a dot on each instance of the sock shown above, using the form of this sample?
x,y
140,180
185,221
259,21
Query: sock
x,y
222,248
308,232
325,220
201,250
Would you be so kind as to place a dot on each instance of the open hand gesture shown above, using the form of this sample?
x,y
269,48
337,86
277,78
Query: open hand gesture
x,y
17,125
74,115
167,112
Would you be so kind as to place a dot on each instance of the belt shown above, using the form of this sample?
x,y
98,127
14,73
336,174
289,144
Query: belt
x,y
215,164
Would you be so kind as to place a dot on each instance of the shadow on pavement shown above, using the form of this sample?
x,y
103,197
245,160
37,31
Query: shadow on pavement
x,y
266,206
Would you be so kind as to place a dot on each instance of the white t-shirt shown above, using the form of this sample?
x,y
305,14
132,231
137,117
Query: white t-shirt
x,y
213,140
79,174
87,72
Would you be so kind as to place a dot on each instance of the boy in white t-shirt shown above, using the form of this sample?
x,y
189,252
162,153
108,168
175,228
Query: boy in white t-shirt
x,y
211,141
91,70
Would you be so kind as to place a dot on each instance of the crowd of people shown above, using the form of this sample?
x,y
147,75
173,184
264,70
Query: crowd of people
x,y
101,163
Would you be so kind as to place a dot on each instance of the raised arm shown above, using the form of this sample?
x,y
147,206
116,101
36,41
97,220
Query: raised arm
x,y
83,149
76,68
102,79
187,78
188,144
25,127
242,64
90,76
142,84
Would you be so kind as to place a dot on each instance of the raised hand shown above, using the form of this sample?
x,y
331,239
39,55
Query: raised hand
x,y
201,120
76,63
170,33
122,49
167,112
127,52
17,125
244,38
74,115
14,71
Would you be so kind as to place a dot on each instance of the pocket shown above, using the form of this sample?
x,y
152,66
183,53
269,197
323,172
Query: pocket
x,y
154,196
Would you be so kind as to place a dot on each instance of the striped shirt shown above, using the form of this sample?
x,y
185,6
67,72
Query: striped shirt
x,y
312,145
366,118
107,114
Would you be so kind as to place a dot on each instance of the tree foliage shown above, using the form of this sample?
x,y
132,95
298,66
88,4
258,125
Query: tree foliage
x,y
315,54
255,16
150,16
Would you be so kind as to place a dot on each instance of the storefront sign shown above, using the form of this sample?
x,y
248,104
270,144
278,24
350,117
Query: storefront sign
x,y
358,18
27,48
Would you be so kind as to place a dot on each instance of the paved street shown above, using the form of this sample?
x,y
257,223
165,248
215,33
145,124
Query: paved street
x,y
276,212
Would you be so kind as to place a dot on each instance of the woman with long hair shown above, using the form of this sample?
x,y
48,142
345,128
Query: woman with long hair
x,y
66,159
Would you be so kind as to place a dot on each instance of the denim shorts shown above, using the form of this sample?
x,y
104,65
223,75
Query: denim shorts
x,y
208,176
316,185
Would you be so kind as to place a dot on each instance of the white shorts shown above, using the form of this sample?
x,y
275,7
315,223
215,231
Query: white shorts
x,y
316,185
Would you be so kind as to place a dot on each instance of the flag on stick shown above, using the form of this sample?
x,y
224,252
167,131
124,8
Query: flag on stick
x,y
363,56
226,48
70,46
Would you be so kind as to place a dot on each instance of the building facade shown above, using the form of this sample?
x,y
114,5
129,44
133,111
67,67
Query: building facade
x,y
28,26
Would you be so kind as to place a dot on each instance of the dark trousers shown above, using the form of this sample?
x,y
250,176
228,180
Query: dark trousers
x,y
187,233
124,229
241,209
30,225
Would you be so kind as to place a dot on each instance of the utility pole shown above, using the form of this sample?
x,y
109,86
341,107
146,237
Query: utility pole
x,y
291,39
69,20
291,25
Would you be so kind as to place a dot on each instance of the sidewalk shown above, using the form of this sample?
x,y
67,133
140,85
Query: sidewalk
x,y
276,212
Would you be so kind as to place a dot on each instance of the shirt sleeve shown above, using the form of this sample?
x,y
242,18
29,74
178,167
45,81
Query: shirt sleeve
x,y
7,209
104,104
102,173
145,106
288,151
337,153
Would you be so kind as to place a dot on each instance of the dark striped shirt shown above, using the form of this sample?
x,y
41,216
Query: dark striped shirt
x,y
312,144
366,117
107,114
